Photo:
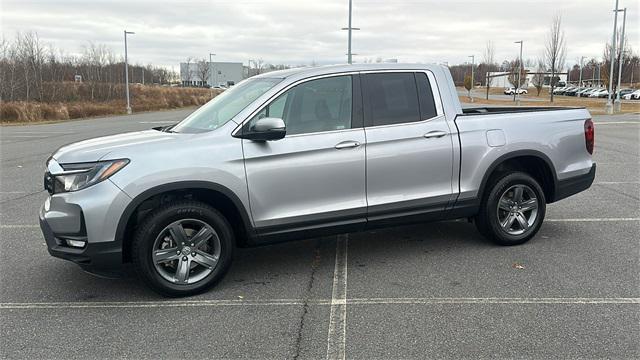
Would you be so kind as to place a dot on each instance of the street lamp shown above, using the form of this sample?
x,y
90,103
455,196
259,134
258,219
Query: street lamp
x,y
581,61
609,107
472,79
350,28
616,104
211,70
519,72
126,70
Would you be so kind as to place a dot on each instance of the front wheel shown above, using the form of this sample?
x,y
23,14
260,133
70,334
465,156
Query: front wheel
x,y
513,210
183,248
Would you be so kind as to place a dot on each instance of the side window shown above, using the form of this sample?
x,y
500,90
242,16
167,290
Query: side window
x,y
393,98
427,103
313,106
275,109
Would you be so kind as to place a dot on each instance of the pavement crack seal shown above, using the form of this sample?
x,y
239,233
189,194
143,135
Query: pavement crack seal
x,y
305,302
336,336
22,197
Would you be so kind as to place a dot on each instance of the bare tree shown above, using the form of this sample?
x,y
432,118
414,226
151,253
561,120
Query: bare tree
x,y
555,50
187,73
488,59
514,68
538,78
203,71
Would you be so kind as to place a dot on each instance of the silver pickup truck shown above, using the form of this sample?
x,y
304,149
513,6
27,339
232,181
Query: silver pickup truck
x,y
308,152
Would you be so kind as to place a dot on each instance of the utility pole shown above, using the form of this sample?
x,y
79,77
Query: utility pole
x,y
616,104
609,106
142,76
210,71
472,75
581,61
126,70
519,73
349,54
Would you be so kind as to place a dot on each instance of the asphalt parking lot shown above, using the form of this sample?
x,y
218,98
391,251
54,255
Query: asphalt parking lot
x,y
434,290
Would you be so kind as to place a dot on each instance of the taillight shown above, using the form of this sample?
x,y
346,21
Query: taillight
x,y
589,135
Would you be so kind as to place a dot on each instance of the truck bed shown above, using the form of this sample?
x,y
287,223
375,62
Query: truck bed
x,y
512,109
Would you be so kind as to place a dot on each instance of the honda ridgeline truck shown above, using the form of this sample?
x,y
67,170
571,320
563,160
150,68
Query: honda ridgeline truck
x,y
307,152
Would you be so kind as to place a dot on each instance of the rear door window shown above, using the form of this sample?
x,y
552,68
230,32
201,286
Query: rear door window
x,y
425,93
392,98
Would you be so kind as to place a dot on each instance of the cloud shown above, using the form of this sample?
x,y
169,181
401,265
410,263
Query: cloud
x,y
299,32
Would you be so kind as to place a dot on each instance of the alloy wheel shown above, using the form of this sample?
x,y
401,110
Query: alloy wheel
x,y
186,251
517,209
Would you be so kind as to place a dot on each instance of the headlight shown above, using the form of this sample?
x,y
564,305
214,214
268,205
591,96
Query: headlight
x,y
82,175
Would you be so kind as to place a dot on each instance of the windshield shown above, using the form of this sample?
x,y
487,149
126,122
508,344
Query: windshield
x,y
225,106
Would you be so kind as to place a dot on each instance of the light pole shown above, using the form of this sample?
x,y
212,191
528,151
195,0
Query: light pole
x,y
349,54
616,104
472,75
126,70
609,107
210,71
581,62
519,73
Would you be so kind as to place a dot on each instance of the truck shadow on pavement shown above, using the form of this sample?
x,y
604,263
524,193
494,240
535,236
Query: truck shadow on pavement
x,y
281,271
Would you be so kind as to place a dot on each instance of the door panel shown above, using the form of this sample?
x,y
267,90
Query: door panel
x,y
302,180
406,171
409,161
315,176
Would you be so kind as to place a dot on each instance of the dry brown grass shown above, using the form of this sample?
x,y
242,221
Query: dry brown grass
x,y
143,98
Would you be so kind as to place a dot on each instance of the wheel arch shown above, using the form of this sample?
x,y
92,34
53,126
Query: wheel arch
x,y
532,162
216,195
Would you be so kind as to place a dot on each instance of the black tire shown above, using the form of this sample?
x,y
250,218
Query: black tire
x,y
150,230
488,222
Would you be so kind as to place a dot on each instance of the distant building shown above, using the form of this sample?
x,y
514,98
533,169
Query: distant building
x,y
501,78
219,73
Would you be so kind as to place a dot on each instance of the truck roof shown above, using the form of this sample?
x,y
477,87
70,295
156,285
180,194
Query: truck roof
x,y
332,69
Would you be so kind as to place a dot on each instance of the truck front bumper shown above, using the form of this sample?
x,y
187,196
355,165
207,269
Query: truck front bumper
x,y
80,227
103,259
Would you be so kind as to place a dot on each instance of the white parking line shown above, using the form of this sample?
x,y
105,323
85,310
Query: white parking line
x,y
616,122
157,304
28,226
18,226
157,122
592,219
616,182
427,301
336,336
312,302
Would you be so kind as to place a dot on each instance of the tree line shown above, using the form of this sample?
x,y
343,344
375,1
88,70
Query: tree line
x,y
553,61
31,70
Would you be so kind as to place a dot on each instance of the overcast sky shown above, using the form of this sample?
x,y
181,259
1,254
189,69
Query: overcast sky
x,y
302,31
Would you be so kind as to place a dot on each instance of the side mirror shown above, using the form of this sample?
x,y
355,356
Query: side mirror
x,y
266,129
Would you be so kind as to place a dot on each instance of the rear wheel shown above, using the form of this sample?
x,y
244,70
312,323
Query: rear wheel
x,y
512,212
183,248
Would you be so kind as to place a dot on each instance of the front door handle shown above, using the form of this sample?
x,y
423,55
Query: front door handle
x,y
347,144
435,134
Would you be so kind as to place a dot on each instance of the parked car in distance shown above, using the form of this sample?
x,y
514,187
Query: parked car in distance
x,y
587,92
635,95
600,93
624,92
574,91
303,153
511,91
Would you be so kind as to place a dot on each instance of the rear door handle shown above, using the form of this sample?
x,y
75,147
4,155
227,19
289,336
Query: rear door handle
x,y
347,144
435,134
